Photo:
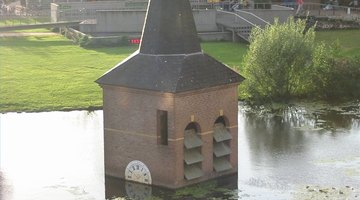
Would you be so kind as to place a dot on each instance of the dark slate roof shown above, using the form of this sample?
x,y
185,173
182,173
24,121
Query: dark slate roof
x,y
177,73
169,58
169,28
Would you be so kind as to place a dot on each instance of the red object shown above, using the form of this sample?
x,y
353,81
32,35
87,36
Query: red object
x,y
135,41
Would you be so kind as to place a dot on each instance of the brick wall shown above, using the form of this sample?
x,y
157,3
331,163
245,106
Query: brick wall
x,y
131,130
206,106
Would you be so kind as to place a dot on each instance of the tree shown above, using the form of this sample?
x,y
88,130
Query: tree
x,y
334,77
279,59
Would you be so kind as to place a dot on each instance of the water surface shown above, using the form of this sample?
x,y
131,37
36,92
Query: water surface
x,y
59,155
298,147
52,155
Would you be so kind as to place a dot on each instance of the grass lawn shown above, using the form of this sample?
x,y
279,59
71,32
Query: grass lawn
x,y
51,73
39,30
349,40
23,21
227,52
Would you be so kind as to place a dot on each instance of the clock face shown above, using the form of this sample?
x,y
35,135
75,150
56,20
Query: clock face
x,y
138,172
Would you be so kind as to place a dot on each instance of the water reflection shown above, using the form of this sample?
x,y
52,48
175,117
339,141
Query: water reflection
x,y
59,155
296,146
55,155
223,188
119,188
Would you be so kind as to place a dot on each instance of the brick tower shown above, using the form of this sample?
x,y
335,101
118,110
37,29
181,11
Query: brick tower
x,y
170,110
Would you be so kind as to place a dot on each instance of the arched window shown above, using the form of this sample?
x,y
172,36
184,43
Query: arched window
x,y
221,145
192,152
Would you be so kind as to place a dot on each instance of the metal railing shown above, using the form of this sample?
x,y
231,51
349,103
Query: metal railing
x,y
228,5
235,23
254,18
203,4
232,19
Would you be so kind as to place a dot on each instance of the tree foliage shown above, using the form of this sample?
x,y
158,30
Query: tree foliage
x,y
279,59
284,62
333,77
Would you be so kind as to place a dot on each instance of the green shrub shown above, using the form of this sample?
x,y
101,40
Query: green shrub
x,y
87,42
334,77
84,41
55,29
285,62
124,41
278,61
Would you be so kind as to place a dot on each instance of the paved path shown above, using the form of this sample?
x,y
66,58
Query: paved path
x,y
12,34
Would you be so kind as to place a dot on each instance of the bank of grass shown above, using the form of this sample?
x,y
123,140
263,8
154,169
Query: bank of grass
x,y
48,73
39,30
349,40
24,21
229,53
51,73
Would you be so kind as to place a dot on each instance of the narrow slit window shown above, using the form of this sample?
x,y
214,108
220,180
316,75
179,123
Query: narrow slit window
x,y
162,127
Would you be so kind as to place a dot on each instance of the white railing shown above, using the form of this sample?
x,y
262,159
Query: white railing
x,y
223,18
253,15
236,23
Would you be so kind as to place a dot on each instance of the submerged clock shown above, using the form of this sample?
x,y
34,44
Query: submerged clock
x,y
137,191
138,172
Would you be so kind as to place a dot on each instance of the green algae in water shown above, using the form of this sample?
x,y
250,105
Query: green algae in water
x,y
197,191
208,190
352,172
325,192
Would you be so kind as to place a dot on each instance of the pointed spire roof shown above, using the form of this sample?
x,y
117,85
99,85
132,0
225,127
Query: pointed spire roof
x,y
169,58
169,28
